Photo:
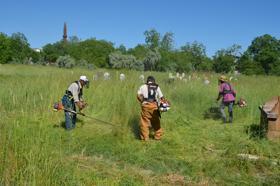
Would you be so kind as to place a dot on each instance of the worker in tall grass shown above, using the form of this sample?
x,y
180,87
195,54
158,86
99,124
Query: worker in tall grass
x,y
228,94
147,95
74,97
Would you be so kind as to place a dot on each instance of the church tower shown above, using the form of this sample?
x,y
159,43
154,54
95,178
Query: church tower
x,y
65,32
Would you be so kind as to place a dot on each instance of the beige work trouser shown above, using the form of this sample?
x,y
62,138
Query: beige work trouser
x,y
150,117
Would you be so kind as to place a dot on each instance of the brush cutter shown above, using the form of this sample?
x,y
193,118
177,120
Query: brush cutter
x,y
241,103
164,105
58,106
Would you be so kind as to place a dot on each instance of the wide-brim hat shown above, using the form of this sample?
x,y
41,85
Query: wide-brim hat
x,y
223,78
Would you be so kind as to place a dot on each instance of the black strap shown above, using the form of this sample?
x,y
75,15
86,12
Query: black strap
x,y
152,88
228,91
80,90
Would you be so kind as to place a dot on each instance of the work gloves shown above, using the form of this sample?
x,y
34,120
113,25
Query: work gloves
x,y
81,105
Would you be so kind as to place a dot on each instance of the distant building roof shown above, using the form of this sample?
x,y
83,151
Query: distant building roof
x,y
37,49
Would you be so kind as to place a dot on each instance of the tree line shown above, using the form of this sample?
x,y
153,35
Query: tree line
x,y
156,54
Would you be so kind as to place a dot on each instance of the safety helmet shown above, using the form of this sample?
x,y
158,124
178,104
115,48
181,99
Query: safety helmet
x,y
84,78
223,78
151,79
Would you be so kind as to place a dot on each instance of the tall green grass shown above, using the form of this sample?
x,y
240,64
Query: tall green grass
x,y
36,150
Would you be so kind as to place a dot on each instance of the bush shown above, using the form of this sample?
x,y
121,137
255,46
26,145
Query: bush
x,y
65,62
118,60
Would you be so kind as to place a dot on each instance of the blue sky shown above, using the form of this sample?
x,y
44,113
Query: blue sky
x,y
215,23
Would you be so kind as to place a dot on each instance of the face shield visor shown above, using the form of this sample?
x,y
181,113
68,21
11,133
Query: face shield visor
x,y
86,84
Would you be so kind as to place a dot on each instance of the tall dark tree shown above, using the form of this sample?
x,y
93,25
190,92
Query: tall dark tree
x,y
122,49
197,55
248,66
20,47
152,38
94,51
15,49
167,42
51,52
74,39
5,52
225,60
139,51
151,59
266,51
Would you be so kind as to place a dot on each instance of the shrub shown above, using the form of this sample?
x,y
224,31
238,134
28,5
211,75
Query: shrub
x,y
65,62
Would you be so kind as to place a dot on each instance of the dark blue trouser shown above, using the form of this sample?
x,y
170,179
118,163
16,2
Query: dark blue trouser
x,y
70,118
230,110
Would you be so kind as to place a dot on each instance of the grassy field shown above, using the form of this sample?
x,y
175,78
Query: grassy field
x,y
196,149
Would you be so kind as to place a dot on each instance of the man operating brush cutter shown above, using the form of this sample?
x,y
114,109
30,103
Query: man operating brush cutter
x,y
148,95
74,97
58,107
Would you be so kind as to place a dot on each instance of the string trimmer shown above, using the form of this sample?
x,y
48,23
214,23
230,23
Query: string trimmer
x,y
58,107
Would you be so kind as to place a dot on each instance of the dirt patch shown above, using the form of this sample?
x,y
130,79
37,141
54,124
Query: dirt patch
x,y
175,179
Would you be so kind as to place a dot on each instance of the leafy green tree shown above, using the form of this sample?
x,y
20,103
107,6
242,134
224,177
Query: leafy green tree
x,y
177,61
15,49
5,52
266,51
234,50
152,38
122,49
74,39
225,60
51,52
139,51
167,42
248,66
167,62
151,59
275,70
197,56
206,65
19,47
94,51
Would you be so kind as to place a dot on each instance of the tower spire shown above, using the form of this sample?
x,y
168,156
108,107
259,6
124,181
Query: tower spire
x,y
65,32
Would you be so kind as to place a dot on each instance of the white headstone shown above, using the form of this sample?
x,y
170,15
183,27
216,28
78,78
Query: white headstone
x,y
206,82
122,77
141,78
106,76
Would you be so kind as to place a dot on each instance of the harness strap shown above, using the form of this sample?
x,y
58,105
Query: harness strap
x,y
152,88
228,91
149,100
69,94
80,89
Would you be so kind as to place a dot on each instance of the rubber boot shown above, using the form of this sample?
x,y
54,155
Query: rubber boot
x,y
230,117
224,120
